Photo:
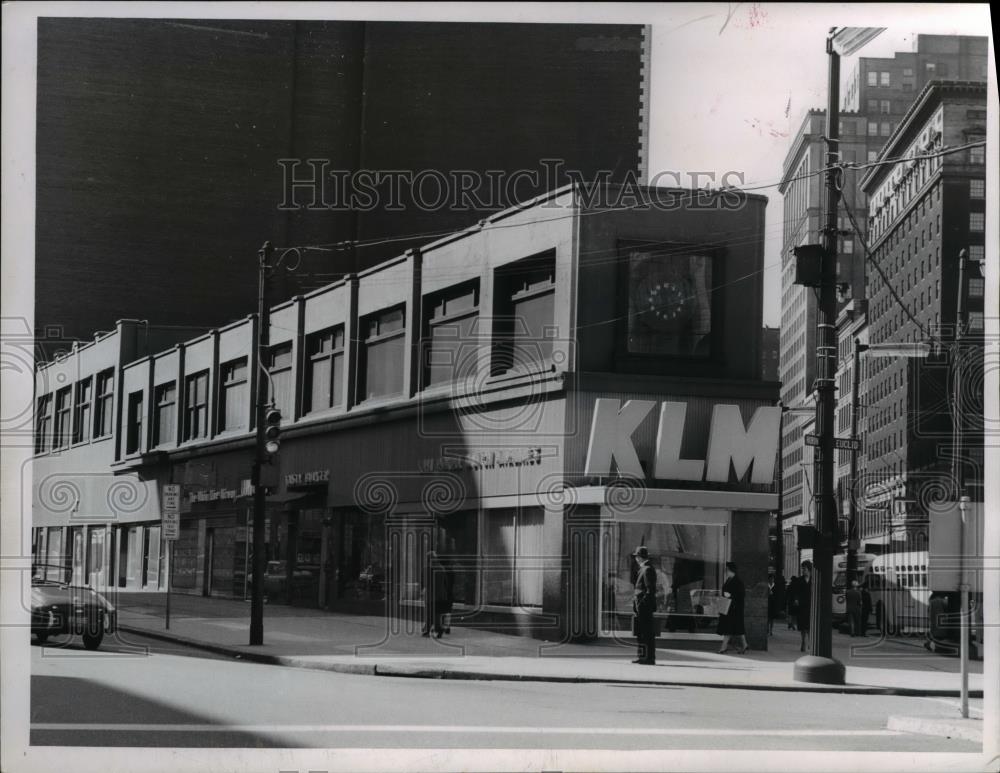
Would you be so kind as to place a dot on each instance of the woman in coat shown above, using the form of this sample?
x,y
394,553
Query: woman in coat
x,y
731,623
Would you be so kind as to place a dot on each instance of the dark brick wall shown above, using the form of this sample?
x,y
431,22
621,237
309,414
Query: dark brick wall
x,y
158,144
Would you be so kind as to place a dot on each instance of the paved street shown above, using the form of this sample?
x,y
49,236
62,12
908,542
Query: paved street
x,y
166,697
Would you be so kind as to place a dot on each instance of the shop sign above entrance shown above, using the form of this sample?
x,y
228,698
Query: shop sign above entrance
x,y
312,478
729,442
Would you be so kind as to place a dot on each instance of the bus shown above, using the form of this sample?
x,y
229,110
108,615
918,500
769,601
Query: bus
x,y
863,568
900,590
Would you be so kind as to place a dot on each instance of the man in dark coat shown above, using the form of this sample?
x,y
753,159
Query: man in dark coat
x,y
644,605
792,601
731,623
852,601
804,603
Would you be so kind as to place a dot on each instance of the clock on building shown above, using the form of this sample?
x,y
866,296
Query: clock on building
x,y
669,304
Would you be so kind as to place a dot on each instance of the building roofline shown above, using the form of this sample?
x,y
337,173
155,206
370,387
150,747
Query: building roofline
x,y
933,92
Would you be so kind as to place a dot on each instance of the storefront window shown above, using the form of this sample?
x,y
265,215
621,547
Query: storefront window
x,y
79,556
56,569
512,549
689,561
363,568
95,558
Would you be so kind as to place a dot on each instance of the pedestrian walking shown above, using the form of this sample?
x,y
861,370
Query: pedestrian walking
x,y
852,601
438,592
644,605
772,603
792,600
803,606
731,623
866,608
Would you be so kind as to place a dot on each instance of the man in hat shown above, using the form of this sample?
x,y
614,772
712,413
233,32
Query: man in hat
x,y
644,605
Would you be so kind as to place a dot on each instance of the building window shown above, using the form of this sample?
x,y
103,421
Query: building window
x,y
325,370
977,221
61,435
885,106
872,154
524,302
43,424
196,406
848,246
872,78
513,550
669,304
234,397
977,189
977,252
279,367
975,321
133,429
383,354
104,403
872,105
977,155
885,128
450,345
872,128
884,79
166,414
976,287
82,417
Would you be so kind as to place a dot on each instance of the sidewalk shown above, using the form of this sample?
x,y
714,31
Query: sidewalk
x,y
309,638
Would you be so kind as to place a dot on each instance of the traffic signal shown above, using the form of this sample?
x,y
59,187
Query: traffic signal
x,y
272,430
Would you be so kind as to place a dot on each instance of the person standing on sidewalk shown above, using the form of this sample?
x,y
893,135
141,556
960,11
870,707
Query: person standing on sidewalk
x,y
792,599
804,603
772,603
644,605
731,623
436,594
852,600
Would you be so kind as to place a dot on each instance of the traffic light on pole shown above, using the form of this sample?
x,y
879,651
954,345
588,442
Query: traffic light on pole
x,y
272,430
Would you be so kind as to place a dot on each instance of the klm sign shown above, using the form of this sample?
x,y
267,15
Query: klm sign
x,y
745,448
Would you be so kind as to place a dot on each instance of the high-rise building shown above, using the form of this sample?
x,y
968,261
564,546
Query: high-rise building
x,y
160,145
924,214
770,354
878,93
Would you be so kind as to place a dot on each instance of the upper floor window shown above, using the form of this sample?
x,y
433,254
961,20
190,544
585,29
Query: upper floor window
x,y
133,427
872,78
872,155
61,434
82,417
164,428
524,315
977,155
104,403
885,106
872,105
382,354
885,128
234,395
669,303
872,128
282,387
196,406
43,424
884,79
977,221
450,347
977,188
977,287
977,252
325,370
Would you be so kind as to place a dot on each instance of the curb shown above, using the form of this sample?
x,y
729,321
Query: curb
x,y
966,729
420,672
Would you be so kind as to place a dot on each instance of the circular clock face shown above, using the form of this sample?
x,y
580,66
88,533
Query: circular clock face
x,y
664,305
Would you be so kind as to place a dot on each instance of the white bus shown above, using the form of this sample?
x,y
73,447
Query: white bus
x,y
900,591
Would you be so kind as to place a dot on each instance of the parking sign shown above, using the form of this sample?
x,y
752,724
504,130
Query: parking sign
x,y
171,510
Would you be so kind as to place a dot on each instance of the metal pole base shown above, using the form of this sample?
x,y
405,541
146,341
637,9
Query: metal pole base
x,y
812,668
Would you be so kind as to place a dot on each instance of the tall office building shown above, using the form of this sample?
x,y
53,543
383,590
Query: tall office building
x,y
879,91
159,145
923,214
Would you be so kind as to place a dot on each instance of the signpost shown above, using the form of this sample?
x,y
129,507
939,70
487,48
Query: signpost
x,y
170,529
842,443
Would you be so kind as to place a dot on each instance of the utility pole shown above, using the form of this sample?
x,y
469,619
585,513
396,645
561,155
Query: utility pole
x,y
779,546
260,455
819,665
852,529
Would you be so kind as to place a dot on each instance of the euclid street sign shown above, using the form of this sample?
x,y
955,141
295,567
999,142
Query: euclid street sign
x,y
841,443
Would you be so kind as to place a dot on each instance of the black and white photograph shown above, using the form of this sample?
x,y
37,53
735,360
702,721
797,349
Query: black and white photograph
x,y
500,387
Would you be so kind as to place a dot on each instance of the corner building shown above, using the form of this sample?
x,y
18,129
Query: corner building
x,y
535,395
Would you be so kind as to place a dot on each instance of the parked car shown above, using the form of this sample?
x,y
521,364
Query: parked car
x,y
58,607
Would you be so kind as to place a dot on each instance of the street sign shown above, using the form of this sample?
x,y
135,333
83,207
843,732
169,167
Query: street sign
x,y
846,444
843,443
171,511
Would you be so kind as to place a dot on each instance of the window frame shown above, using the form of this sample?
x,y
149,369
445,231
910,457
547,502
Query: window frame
x,y
44,422
371,333
195,428
83,417
62,425
273,352
228,385
159,404
432,320
104,402
331,355
134,419
513,283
